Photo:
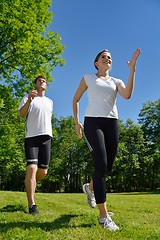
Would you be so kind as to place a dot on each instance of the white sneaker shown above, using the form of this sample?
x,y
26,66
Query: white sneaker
x,y
108,223
90,195
110,214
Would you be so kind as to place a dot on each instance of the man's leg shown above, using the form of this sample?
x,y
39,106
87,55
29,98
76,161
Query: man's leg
x,y
43,157
41,173
30,183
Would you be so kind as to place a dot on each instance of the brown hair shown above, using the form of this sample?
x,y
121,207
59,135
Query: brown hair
x,y
38,78
98,55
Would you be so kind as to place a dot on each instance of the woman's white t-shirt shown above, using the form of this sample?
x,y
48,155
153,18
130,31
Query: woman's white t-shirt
x,y
101,96
38,117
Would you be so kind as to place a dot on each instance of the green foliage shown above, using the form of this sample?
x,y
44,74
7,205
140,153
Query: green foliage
x,y
68,164
128,171
11,142
68,217
149,119
27,49
136,167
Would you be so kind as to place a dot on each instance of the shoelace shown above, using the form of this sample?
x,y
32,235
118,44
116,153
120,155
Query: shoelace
x,y
109,222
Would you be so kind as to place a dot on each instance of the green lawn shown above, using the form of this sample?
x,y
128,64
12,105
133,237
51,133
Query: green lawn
x,y
67,216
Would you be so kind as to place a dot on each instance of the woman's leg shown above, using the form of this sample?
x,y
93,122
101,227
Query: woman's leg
x,y
96,142
102,136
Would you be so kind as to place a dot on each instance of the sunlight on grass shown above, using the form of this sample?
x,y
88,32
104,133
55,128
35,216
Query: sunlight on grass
x,y
67,216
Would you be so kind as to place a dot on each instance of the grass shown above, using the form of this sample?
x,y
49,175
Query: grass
x,y
66,216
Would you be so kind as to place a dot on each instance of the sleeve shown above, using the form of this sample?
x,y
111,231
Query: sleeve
x,y
23,101
52,105
117,81
87,79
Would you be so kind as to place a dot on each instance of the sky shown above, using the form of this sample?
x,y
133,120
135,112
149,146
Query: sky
x,y
88,26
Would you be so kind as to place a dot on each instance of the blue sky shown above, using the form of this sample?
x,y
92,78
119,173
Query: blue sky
x,y
89,26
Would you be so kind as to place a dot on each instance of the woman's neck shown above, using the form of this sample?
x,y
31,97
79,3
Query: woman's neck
x,y
103,74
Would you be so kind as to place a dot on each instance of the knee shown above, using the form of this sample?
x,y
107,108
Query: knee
x,y
103,172
31,170
41,173
45,171
101,169
100,163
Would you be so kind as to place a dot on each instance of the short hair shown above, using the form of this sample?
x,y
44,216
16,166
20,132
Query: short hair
x,y
98,55
38,78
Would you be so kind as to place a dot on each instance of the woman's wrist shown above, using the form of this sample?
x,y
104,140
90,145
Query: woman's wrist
x,y
133,68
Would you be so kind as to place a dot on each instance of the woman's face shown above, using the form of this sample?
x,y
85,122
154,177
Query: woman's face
x,y
104,61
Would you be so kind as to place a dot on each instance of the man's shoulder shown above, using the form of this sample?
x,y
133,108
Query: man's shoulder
x,y
48,99
23,101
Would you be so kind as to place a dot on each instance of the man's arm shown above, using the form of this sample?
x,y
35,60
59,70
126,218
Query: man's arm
x,y
24,109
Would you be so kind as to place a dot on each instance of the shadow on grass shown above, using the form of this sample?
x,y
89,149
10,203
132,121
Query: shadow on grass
x,y
13,208
59,223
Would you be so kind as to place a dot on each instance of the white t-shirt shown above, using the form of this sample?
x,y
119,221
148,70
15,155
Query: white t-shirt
x,y
101,96
38,117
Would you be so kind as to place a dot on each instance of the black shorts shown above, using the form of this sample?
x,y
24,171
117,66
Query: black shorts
x,y
37,150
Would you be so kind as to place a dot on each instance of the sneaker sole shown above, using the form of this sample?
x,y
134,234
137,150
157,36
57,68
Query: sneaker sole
x,y
84,190
110,229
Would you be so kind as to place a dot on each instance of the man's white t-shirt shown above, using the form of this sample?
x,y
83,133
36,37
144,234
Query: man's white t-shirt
x,y
38,117
101,96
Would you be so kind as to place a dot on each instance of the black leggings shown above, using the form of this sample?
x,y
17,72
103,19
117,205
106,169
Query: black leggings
x,y
102,138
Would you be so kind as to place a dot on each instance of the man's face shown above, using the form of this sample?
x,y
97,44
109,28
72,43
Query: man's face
x,y
41,84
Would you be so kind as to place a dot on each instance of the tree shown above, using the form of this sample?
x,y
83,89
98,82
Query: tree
x,y
27,49
12,163
129,170
70,152
70,162
149,119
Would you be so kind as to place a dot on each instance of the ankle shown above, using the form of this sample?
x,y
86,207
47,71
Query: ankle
x,y
31,205
103,216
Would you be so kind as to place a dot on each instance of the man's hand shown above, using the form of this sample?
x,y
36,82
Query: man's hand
x,y
31,95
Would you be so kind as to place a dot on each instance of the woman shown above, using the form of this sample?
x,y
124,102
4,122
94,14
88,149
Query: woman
x,y
101,125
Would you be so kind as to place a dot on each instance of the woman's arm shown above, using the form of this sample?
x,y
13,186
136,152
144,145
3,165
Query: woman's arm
x,y
80,90
126,90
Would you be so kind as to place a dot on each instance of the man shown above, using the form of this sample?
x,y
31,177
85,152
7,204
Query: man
x,y
38,112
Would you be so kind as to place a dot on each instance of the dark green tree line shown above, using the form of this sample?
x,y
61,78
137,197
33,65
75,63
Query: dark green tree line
x,y
136,167
70,158
149,119
130,168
